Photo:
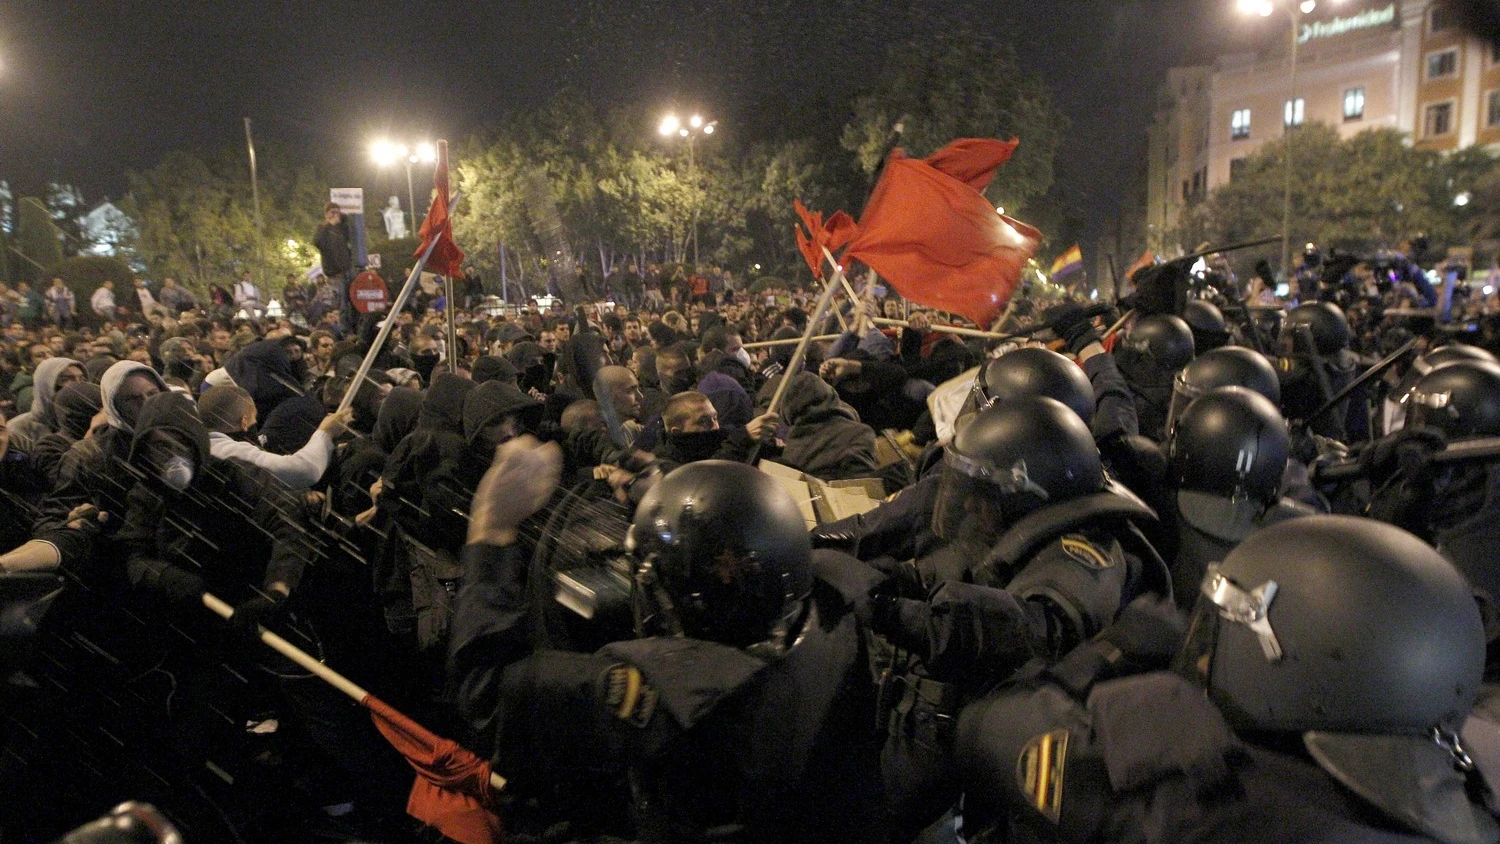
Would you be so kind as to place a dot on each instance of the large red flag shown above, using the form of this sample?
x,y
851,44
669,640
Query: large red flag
x,y
452,790
929,231
832,235
446,259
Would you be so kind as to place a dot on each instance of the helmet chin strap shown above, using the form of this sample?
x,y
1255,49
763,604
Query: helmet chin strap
x,y
788,632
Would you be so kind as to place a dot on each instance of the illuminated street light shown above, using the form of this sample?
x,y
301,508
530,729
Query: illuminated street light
x,y
386,153
1462,199
1295,11
696,125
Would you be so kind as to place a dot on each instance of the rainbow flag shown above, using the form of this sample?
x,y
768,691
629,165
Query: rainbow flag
x,y
1067,262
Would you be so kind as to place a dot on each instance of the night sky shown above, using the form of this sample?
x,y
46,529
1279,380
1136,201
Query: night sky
x,y
91,89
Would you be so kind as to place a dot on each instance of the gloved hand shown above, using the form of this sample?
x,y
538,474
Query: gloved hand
x,y
1407,452
1145,636
1073,324
261,611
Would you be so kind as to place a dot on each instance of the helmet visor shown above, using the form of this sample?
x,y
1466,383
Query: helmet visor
x,y
1183,394
972,495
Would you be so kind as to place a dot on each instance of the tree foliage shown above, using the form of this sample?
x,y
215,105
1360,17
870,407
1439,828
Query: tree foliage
x,y
37,244
195,217
1361,194
955,86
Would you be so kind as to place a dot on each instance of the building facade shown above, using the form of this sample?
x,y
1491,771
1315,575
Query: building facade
x,y
1400,64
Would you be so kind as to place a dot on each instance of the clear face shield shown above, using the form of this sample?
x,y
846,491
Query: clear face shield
x,y
1426,408
974,496
1183,394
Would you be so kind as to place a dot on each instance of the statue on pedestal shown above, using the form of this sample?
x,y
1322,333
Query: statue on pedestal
x,y
395,219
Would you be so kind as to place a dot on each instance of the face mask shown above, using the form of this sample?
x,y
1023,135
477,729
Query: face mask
x,y
742,356
701,445
177,473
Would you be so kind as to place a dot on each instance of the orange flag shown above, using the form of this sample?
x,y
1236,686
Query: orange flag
x,y
930,232
452,790
446,259
838,231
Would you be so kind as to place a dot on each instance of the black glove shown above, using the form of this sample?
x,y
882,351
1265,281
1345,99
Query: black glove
x,y
1072,323
1408,452
1145,636
260,611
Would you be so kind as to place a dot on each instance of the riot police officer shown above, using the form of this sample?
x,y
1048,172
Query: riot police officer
x,y
1228,453
1315,364
1041,553
1319,695
744,710
1150,355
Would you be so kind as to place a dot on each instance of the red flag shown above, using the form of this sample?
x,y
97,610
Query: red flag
x,y
1147,259
929,231
452,790
446,258
832,235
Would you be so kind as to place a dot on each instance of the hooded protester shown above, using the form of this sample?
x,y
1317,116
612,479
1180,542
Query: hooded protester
x,y
292,425
232,530
825,438
264,370
363,459
51,375
75,407
496,412
494,368
534,366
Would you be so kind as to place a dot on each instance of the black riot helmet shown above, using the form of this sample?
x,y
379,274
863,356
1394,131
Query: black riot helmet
x,y
723,553
1461,398
1327,323
1338,624
1202,315
1432,360
1164,339
1230,366
1035,371
1207,323
1230,442
1011,459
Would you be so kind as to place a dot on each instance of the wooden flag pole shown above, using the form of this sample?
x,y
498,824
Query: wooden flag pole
x,y
305,660
763,344
390,320
947,329
794,366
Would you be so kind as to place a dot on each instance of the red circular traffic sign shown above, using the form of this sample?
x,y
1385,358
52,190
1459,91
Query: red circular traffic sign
x,y
368,293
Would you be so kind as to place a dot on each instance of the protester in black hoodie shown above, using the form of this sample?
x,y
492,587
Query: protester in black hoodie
x,y
74,407
825,438
264,371
423,485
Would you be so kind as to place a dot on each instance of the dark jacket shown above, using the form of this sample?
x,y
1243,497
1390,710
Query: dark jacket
x,y
263,370
427,479
334,249
233,530
825,437
778,751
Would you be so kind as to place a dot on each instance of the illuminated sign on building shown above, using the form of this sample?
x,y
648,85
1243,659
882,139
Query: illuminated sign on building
x,y
1368,19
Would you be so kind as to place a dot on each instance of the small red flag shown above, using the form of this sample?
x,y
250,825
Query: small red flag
x,y
1147,259
446,259
452,790
929,231
838,231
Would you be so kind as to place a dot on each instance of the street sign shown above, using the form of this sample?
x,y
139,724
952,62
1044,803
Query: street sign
x,y
368,293
373,260
349,200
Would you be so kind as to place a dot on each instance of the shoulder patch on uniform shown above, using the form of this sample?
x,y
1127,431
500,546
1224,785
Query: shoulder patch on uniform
x,y
1040,770
1081,550
627,694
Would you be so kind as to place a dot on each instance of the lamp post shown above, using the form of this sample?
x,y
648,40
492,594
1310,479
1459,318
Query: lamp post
x,y
387,153
673,127
1296,10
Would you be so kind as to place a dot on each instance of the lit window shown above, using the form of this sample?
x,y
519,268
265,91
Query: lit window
x,y
1295,111
1438,120
1492,114
1354,104
1442,65
1239,125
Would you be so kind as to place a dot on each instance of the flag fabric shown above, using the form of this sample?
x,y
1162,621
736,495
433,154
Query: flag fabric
x,y
446,259
930,232
1147,259
832,235
452,789
1070,261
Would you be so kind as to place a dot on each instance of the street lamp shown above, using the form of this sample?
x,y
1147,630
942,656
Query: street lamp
x,y
672,125
1295,11
386,153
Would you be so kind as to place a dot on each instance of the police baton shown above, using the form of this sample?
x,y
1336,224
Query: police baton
x,y
1349,468
1364,378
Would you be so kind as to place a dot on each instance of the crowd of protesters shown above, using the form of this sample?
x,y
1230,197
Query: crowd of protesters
x,y
160,443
